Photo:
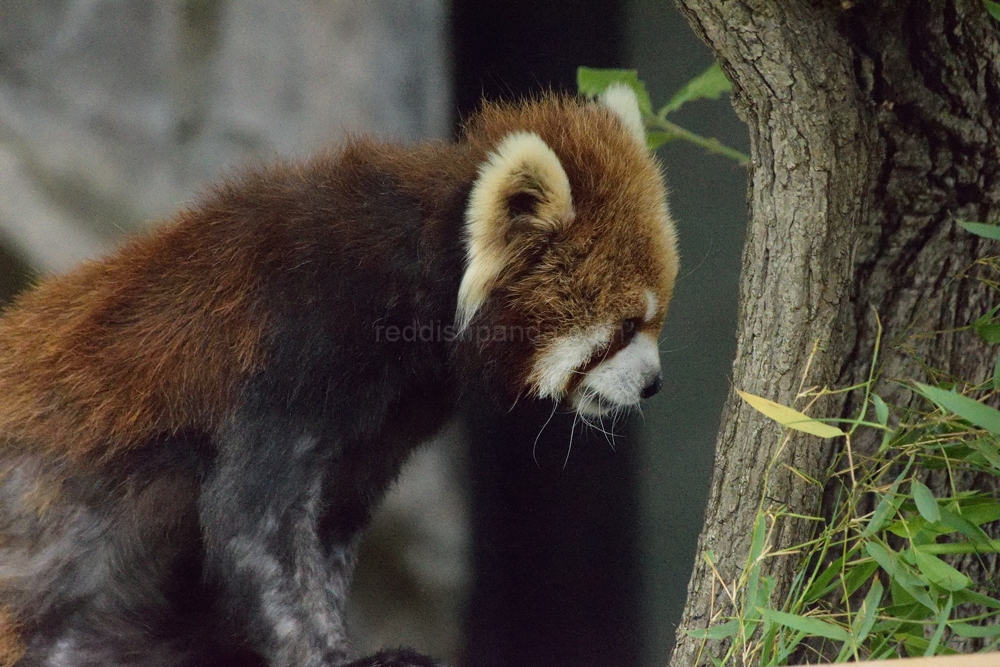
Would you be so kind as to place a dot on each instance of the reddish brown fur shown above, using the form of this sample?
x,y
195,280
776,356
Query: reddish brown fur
x,y
616,239
11,648
162,336
621,182
78,379
76,376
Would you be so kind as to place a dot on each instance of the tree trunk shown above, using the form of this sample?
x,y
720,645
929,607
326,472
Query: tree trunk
x,y
873,126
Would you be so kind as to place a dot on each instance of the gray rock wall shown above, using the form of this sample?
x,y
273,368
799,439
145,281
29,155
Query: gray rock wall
x,y
114,113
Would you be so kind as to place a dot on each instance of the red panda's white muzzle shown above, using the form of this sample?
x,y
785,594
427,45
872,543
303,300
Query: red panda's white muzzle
x,y
621,381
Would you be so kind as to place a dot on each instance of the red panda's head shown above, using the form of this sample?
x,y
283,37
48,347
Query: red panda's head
x,y
571,252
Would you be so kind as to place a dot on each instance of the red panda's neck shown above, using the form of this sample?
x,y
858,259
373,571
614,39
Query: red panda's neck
x,y
439,177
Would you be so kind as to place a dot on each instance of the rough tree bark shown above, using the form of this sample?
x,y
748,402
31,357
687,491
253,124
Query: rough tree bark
x,y
873,125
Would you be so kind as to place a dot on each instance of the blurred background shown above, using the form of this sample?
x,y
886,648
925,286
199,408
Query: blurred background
x,y
115,113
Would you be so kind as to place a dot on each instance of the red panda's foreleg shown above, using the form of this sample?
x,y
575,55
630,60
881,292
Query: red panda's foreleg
x,y
261,509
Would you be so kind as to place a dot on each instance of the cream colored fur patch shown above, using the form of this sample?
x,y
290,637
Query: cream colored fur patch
x,y
652,305
522,162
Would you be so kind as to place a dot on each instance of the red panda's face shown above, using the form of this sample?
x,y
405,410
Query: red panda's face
x,y
569,237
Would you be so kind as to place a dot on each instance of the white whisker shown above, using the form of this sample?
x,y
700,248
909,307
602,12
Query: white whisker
x,y
569,448
534,447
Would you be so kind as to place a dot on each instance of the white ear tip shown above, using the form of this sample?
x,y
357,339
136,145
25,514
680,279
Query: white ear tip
x,y
622,101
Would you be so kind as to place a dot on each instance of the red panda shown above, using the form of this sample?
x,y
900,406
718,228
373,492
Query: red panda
x,y
194,430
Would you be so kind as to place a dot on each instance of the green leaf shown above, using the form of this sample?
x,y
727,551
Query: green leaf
x,y
881,410
864,620
987,326
926,503
900,574
866,617
757,590
822,585
710,84
656,138
975,631
786,416
807,624
591,82
971,597
996,373
942,623
940,573
913,525
990,332
978,228
887,507
723,631
968,409
858,575
882,557
972,531
993,8
987,317
916,645
889,504
989,450
983,510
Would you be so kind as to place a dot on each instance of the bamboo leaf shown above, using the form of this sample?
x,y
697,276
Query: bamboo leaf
x,y
710,84
656,138
971,530
807,624
993,8
942,623
987,326
858,575
864,620
867,616
972,597
975,631
925,500
989,450
981,510
786,416
887,506
968,409
978,228
881,410
988,331
822,585
900,574
722,631
940,573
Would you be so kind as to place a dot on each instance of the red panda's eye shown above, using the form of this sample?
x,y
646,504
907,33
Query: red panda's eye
x,y
629,328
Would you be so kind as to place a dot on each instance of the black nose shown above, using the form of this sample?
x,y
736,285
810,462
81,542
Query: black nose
x,y
653,387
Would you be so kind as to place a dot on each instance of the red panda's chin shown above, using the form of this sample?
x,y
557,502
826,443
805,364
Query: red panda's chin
x,y
589,404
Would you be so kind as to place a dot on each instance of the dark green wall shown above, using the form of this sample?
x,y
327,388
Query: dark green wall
x,y
589,564
677,433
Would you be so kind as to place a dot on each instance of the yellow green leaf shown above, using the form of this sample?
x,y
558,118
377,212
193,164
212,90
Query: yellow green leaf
x,y
786,416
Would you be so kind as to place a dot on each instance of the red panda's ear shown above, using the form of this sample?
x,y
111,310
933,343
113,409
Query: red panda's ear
x,y
622,101
521,191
